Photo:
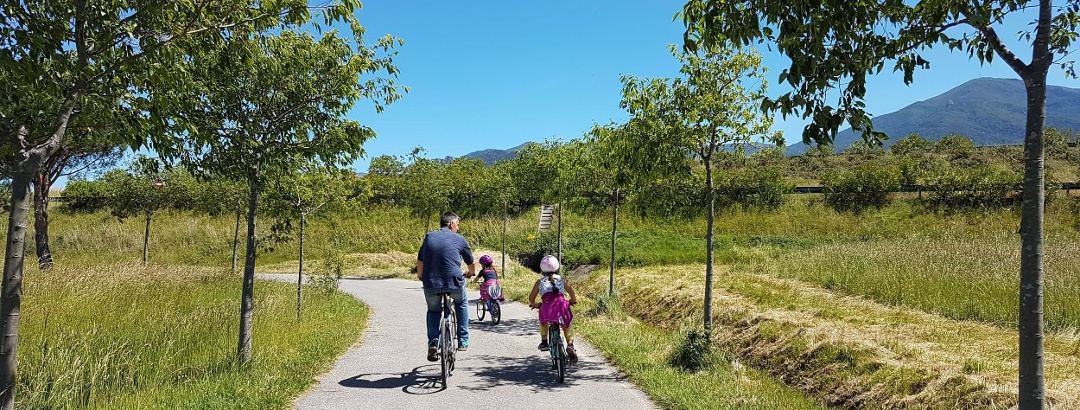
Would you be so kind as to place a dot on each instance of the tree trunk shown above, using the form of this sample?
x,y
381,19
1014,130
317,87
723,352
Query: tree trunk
x,y
236,232
146,239
1032,390
300,274
11,298
614,234
710,197
42,184
558,240
506,216
247,294
12,285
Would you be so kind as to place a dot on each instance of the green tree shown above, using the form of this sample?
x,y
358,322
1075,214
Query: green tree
x,y
146,188
64,60
620,165
424,188
72,160
714,104
224,195
307,191
833,53
258,107
912,145
385,174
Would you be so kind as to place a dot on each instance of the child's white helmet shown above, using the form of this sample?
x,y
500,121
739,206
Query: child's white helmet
x,y
549,264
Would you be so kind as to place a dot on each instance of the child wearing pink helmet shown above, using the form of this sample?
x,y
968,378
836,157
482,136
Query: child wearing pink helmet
x,y
487,278
554,307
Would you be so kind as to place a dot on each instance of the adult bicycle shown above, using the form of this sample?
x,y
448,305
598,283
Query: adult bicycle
x,y
448,337
490,305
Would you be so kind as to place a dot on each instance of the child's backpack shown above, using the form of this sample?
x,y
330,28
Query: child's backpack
x,y
494,291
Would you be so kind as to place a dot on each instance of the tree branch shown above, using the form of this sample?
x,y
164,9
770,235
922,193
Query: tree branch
x,y
996,44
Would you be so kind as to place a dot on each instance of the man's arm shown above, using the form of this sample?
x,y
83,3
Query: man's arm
x,y
472,270
419,270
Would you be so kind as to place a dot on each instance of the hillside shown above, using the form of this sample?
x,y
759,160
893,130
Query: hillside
x,y
990,111
490,156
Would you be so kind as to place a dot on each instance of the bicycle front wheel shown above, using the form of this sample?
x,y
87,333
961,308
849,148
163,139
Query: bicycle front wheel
x,y
480,309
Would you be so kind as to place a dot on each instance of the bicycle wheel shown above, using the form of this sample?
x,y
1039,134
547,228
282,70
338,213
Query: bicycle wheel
x,y
452,331
480,309
558,352
496,312
445,362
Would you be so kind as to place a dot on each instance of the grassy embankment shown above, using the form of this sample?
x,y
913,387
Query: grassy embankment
x,y
833,304
105,332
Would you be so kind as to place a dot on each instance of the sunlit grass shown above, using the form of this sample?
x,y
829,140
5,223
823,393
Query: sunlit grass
x,y
641,351
116,336
968,279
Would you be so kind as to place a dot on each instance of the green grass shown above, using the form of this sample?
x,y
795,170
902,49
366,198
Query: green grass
x,y
641,351
966,279
113,336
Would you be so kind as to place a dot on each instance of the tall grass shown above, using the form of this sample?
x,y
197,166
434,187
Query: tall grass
x,y
967,279
901,254
114,336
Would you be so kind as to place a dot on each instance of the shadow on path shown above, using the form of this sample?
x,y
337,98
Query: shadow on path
x,y
411,383
534,372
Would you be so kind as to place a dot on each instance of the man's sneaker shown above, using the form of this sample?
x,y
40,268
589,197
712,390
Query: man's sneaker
x,y
463,345
432,354
571,354
543,346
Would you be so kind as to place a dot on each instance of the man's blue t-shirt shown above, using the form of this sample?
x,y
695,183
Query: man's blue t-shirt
x,y
442,253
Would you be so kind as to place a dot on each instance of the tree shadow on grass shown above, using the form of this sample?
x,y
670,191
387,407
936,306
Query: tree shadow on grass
x,y
411,383
535,373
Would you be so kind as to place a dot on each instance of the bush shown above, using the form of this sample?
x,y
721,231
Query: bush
x,y
329,272
694,350
761,187
955,147
981,187
86,196
911,145
867,185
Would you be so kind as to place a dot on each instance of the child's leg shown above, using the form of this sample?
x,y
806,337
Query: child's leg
x,y
569,336
543,331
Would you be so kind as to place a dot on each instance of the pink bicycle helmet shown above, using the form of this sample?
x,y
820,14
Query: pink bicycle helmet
x,y
549,264
486,260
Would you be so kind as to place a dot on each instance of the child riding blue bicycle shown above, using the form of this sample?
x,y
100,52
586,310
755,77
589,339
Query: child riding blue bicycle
x,y
554,307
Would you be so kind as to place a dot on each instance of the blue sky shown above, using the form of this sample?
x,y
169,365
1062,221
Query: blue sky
x,y
495,74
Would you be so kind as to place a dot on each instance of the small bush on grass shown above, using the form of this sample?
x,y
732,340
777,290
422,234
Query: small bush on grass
x,y
329,272
694,350
608,304
868,185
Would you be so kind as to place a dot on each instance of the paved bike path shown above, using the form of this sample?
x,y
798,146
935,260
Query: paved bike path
x,y
502,367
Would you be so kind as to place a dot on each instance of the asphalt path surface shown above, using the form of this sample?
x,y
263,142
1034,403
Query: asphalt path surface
x,y
501,369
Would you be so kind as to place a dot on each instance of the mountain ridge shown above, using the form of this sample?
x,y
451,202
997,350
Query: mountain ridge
x,y
990,111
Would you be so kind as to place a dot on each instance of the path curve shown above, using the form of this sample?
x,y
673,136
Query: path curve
x,y
502,368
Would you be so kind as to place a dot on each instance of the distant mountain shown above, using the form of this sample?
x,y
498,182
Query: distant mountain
x,y
990,111
490,156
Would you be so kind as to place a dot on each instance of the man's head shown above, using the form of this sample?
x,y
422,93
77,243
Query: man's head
x,y
450,220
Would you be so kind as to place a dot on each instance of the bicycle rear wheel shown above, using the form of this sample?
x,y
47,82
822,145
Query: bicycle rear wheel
x,y
496,312
558,352
444,352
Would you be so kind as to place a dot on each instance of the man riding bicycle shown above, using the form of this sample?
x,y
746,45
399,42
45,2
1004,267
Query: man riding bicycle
x,y
438,266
